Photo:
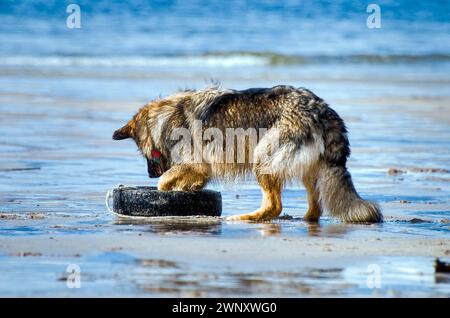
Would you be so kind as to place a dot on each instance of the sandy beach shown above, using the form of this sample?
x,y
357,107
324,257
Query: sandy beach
x,y
64,91
263,265
53,211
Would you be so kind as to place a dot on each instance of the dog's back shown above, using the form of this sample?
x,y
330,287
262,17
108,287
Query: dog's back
x,y
312,143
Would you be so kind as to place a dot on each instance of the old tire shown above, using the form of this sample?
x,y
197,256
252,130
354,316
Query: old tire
x,y
148,201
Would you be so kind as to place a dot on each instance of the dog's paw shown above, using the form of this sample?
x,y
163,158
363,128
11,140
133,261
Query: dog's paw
x,y
256,216
233,218
197,186
180,185
164,187
311,218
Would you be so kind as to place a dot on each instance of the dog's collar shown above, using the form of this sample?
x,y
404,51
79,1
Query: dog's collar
x,y
155,164
156,154
156,157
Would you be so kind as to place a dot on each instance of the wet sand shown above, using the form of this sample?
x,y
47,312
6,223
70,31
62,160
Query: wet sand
x,y
188,265
58,160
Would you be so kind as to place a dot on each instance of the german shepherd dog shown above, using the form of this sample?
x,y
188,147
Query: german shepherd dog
x,y
310,141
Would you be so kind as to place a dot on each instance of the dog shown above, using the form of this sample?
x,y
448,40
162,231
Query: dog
x,y
303,140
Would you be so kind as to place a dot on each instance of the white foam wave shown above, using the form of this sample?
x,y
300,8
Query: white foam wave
x,y
134,61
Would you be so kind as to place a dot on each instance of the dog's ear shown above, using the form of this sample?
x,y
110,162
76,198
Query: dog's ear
x,y
122,133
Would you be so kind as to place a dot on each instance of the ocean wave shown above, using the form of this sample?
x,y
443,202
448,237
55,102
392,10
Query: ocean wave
x,y
215,59
133,61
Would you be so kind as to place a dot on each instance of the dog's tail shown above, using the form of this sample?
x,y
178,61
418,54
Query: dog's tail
x,y
339,197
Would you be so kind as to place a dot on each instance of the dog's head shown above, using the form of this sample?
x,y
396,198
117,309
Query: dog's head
x,y
138,129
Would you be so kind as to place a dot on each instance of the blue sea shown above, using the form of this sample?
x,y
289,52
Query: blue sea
x,y
63,91
151,33
127,52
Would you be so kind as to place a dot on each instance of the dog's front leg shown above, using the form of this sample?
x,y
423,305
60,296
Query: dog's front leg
x,y
188,177
271,201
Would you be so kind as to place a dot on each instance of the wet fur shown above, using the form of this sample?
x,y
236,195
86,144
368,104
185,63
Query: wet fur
x,y
313,147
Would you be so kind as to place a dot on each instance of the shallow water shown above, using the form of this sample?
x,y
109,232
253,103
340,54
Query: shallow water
x,y
58,160
61,97
121,274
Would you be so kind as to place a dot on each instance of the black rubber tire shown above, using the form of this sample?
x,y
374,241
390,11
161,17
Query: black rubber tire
x,y
148,201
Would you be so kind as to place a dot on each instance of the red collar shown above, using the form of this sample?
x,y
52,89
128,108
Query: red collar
x,y
156,154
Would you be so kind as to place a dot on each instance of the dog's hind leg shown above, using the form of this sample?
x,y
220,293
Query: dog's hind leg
x,y
310,181
271,201
187,177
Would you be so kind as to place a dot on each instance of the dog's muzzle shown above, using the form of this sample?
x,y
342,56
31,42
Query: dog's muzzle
x,y
155,165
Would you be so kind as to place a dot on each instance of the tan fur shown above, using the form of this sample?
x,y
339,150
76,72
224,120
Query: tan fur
x,y
310,179
312,138
189,177
271,203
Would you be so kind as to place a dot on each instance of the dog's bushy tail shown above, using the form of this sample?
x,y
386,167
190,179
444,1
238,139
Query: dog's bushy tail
x,y
339,197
